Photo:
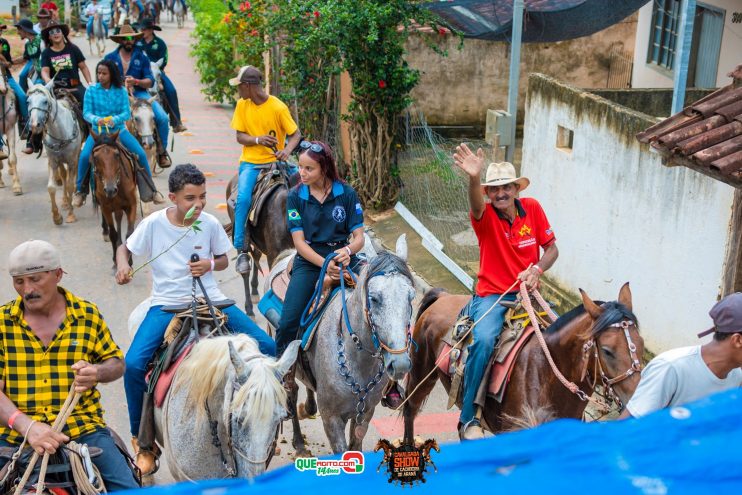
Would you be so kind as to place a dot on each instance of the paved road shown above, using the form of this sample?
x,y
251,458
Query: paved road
x,y
87,258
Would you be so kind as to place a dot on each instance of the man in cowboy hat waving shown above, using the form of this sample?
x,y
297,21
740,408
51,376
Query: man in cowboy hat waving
x,y
511,233
134,65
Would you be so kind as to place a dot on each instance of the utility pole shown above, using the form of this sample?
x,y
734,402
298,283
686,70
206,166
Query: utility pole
x,y
68,12
682,54
513,83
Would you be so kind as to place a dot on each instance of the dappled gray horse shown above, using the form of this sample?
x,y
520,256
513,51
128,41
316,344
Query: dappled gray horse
x,y
142,126
228,383
8,119
62,140
348,371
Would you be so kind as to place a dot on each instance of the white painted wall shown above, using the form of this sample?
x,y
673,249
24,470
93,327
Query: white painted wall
x,y
6,8
730,55
619,215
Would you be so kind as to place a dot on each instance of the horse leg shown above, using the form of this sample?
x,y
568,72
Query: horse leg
x,y
254,295
297,441
335,430
104,227
51,187
358,434
13,161
2,184
308,409
69,190
113,235
414,403
248,301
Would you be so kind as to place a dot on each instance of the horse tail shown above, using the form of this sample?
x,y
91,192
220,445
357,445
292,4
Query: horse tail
x,y
428,299
529,417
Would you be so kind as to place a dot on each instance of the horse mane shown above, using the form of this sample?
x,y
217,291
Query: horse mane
x,y
613,312
206,368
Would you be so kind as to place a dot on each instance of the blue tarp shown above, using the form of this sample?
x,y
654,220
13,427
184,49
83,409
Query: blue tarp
x,y
692,450
544,20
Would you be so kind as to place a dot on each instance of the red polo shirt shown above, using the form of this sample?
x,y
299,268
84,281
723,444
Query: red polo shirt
x,y
505,250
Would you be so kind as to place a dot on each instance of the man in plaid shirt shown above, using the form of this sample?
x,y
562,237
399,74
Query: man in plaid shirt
x,y
50,341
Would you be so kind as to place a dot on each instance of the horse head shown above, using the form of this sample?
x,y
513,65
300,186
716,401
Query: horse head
x,y
613,348
383,444
257,406
156,68
143,118
430,444
41,104
388,293
107,161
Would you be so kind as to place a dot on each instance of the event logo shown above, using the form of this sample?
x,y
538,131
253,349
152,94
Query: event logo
x,y
351,463
525,230
407,461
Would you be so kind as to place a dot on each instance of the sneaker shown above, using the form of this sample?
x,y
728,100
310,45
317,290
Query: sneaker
x,y
164,160
158,198
471,431
78,199
243,263
179,128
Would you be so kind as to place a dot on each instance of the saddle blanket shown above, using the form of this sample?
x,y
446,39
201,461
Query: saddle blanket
x,y
166,377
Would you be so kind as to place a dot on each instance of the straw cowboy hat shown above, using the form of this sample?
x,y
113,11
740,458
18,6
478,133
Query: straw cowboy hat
x,y
126,32
499,174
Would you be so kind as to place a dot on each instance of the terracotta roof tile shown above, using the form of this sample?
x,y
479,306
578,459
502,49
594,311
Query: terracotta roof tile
x,y
706,135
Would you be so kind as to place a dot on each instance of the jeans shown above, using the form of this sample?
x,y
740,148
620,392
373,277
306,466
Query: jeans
x,y
89,27
484,338
245,185
172,96
23,76
304,277
161,119
148,339
20,97
111,463
129,142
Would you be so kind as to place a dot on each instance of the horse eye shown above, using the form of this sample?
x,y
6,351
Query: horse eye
x,y
375,298
608,353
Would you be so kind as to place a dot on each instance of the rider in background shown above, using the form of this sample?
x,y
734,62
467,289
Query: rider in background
x,y
686,374
324,215
45,18
511,233
6,62
32,57
90,12
63,61
156,49
50,340
158,238
262,123
52,8
106,109
134,64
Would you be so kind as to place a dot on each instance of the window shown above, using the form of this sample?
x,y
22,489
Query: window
x,y
664,33
565,138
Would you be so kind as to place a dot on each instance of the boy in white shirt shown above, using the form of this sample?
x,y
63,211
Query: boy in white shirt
x,y
172,279
683,375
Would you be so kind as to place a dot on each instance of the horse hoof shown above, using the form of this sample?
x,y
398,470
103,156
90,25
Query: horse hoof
x,y
106,238
58,219
58,182
304,453
17,191
148,480
71,218
2,184
255,298
301,412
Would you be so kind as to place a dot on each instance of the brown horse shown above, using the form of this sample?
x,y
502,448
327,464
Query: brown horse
x,y
592,342
115,187
269,238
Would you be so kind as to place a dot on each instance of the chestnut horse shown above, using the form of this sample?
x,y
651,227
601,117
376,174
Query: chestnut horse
x,y
115,187
592,339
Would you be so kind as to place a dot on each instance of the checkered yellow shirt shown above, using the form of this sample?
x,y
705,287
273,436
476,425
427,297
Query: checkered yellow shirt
x,y
38,379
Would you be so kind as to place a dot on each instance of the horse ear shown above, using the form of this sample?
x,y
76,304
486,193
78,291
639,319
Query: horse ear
x,y
160,62
401,247
592,309
287,359
238,363
624,296
50,86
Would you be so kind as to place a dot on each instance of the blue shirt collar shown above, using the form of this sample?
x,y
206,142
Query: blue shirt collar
x,y
337,190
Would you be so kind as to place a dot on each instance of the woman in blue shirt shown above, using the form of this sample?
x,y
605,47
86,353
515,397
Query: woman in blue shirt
x,y
108,98
324,216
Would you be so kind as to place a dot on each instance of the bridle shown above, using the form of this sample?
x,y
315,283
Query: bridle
x,y
141,103
636,366
46,112
229,456
121,165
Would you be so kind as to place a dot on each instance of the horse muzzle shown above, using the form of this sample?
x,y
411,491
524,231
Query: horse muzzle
x,y
110,191
398,366
148,141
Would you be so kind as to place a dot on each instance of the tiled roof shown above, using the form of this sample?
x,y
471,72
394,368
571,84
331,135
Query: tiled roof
x,y
707,135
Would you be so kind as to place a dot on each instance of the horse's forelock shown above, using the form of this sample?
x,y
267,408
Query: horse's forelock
x,y
257,399
613,312
386,262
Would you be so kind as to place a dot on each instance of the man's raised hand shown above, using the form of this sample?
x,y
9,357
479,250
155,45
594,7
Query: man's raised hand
x,y
469,162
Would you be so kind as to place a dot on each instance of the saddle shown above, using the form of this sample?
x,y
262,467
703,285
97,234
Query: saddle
x,y
517,331
181,335
70,96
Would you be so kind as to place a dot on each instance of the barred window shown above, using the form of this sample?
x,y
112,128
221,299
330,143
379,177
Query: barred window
x,y
664,32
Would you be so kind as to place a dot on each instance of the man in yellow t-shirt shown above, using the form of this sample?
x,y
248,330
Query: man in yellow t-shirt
x,y
262,123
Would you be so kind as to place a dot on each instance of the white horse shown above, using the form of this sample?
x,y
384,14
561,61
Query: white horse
x,y
157,88
7,128
62,140
98,35
142,126
179,13
225,382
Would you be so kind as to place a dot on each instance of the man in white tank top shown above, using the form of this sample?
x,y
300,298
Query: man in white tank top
x,y
686,374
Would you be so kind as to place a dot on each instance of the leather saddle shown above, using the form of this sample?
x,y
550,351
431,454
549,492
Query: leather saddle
x,y
516,332
271,177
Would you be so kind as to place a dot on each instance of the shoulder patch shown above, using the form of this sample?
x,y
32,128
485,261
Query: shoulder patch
x,y
359,209
294,215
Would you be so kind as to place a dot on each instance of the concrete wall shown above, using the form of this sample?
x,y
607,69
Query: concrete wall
x,y
620,215
651,76
458,89
6,8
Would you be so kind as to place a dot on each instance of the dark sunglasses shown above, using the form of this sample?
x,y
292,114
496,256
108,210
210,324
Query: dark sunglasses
x,y
309,145
55,31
